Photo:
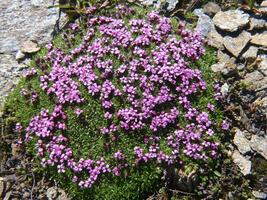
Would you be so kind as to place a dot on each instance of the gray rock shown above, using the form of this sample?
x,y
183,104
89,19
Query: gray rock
x,y
251,53
231,20
171,4
257,23
225,89
263,7
52,193
224,68
241,142
259,195
29,47
211,8
22,20
242,163
157,4
259,39
256,80
204,23
215,39
262,67
259,144
236,44
19,55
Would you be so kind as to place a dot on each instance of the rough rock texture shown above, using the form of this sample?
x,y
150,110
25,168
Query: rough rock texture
x,y
211,8
21,21
242,163
236,44
241,142
204,23
260,39
255,23
251,53
259,144
157,4
215,39
231,20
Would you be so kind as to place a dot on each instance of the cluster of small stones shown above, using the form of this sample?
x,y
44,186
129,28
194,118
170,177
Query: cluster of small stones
x,y
241,42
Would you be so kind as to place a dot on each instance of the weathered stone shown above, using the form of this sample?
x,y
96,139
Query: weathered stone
x,y
29,47
260,39
236,44
242,163
22,20
215,39
251,53
224,68
263,7
211,8
241,142
231,20
257,23
256,80
171,4
19,55
225,89
259,144
259,195
262,67
51,193
204,23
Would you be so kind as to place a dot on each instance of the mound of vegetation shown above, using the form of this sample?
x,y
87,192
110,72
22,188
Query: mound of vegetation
x,y
119,99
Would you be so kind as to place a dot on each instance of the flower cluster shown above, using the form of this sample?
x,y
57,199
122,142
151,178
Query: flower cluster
x,y
148,74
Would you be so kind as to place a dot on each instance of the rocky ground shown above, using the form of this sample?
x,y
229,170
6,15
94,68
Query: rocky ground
x,y
240,39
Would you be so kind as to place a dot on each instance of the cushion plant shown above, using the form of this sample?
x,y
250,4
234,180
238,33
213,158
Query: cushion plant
x,y
126,99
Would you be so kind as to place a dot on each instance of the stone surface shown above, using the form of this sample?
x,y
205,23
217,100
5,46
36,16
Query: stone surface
x,y
251,53
211,8
256,80
157,4
259,144
224,89
241,142
262,67
215,39
242,163
231,20
51,193
204,23
19,55
224,68
255,23
20,21
171,4
263,7
236,44
260,39
259,195
29,47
